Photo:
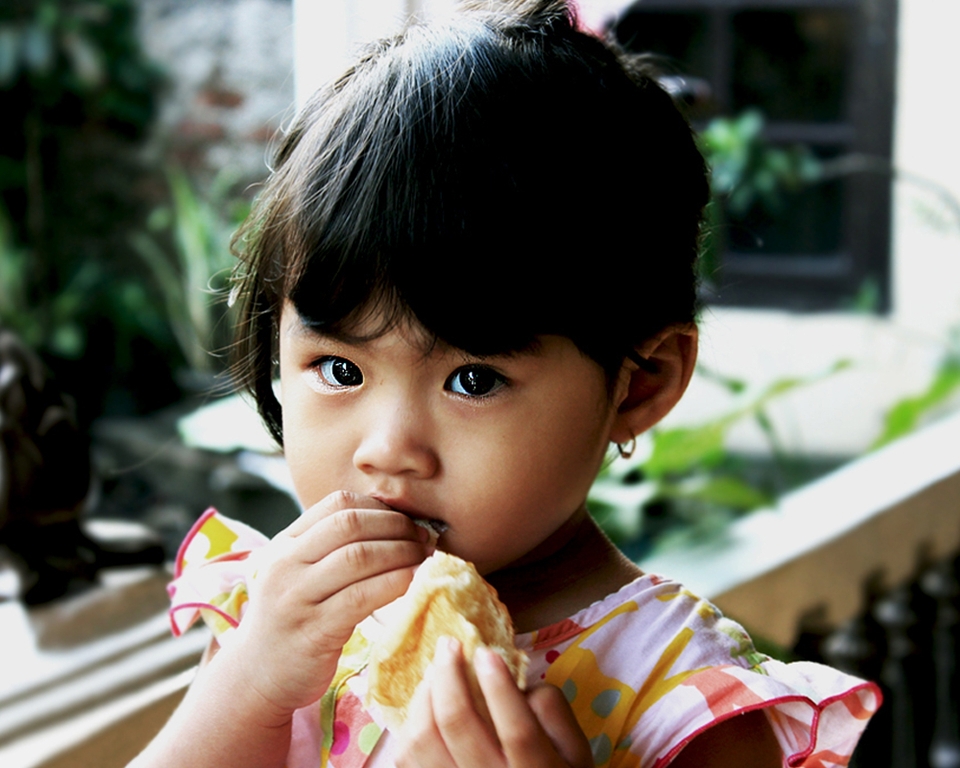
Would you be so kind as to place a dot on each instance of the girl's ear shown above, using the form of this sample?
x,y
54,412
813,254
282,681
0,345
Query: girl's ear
x,y
647,393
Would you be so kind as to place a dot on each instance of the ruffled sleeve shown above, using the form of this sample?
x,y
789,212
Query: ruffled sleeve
x,y
215,566
816,713
649,669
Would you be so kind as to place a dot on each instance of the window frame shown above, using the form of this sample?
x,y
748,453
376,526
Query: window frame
x,y
822,281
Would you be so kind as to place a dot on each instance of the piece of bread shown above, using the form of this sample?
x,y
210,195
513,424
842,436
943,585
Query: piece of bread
x,y
446,598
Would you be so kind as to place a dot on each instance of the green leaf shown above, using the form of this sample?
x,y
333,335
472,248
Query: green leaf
x,y
48,14
160,218
38,50
85,59
69,340
168,281
679,450
621,524
707,524
9,54
732,385
683,449
722,491
867,299
905,415
782,386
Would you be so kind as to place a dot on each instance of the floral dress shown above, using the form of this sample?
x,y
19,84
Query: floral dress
x,y
645,670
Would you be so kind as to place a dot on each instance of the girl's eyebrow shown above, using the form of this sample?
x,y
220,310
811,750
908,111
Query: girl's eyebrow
x,y
531,350
302,328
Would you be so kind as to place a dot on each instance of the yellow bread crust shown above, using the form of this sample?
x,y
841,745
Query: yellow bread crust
x,y
447,597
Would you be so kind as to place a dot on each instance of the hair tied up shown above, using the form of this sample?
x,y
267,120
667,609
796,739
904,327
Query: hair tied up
x,y
535,14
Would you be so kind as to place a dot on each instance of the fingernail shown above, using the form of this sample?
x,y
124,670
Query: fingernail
x,y
483,661
447,648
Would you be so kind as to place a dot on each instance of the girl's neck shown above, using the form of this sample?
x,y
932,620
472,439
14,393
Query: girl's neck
x,y
577,566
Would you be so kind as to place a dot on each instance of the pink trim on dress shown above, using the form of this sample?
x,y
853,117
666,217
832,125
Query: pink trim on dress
x,y
199,606
796,759
182,551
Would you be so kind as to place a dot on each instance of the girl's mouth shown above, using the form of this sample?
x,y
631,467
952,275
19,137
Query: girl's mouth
x,y
431,523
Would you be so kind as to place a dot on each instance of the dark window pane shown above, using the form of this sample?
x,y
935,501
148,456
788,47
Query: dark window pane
x,y
820,72
680,46
804,222
791,64
678,38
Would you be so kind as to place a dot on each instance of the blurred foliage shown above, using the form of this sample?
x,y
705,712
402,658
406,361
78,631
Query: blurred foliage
x,y
685,483
193,270
75,61
866,301
688,483
907,414
939,396
78,96
57,323
747,171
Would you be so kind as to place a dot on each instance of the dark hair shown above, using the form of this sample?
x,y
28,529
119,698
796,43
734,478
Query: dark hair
x,y
497,177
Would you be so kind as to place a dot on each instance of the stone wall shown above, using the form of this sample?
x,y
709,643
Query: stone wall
x,y
229,65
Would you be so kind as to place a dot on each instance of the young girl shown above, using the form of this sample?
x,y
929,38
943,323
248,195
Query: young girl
x,y
473,269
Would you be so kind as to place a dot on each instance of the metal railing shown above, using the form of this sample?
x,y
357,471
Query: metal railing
x,y
906,638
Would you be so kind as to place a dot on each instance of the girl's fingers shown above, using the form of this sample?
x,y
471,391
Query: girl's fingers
x,y
420,744
334,502
350,526
360,560
342,612
343,539
555,716
523,740
467,736
331,596
358,599
445,729
334,598
287,576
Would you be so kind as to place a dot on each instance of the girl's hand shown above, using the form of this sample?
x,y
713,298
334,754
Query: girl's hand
x,y
341,560
533,729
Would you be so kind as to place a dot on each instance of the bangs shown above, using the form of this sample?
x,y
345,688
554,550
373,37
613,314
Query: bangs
x,y
462,194
492,180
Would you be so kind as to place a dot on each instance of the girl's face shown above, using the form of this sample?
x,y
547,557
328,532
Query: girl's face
x,y
502,450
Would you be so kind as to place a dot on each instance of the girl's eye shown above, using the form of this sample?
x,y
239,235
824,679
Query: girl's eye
x,y
475,381
339,372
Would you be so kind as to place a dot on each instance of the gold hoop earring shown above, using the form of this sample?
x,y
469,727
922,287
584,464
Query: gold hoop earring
x,y
626,450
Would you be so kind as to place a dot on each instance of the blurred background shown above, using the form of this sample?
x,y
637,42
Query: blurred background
x,y
807,482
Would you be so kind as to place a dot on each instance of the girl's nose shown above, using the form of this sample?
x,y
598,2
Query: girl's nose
x,y
397,444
